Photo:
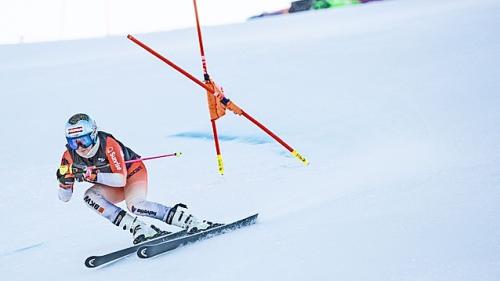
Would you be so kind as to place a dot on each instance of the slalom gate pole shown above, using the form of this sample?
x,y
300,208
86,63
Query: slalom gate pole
x,y
201,84
220,162
200,41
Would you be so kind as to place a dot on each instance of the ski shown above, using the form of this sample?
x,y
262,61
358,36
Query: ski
x,y
95,261
153,249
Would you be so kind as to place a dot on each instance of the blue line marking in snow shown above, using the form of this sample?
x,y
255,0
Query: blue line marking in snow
x,y
209,136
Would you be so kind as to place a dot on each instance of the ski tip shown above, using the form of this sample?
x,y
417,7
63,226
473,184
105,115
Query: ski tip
x,y
90,262
142,252
254,217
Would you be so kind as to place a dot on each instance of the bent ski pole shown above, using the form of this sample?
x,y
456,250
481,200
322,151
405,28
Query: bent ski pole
x,y
220,162
201,84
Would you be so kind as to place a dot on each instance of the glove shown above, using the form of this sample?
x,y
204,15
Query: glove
x,y
84,173
66,181
78,171
68,174
90,175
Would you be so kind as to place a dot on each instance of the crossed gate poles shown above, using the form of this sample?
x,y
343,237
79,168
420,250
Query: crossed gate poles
x,y
216,94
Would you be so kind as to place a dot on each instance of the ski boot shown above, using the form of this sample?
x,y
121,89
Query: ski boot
x,y
139,229
181,217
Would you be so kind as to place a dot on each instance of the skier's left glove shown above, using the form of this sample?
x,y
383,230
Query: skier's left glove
x,y
90,175
84,173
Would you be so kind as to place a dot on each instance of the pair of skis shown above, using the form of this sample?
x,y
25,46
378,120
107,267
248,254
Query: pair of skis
x,y
166,243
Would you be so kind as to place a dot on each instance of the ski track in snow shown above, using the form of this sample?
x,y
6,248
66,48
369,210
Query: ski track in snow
x,y
23,249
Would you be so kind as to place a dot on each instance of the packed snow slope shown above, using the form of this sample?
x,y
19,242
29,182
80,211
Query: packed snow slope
x,y
395,104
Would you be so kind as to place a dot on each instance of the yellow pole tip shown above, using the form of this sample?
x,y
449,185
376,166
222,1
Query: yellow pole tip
x,y
220,164
300,157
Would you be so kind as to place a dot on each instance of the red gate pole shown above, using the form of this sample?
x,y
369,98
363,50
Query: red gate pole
x,y
211,90
220,162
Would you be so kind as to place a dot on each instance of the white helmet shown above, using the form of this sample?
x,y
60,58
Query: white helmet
x,y
81,130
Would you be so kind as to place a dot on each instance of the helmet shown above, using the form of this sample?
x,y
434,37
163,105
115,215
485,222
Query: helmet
x,y
81,130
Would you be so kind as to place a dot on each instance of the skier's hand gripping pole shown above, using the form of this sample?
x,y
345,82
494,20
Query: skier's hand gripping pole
x,y
234,107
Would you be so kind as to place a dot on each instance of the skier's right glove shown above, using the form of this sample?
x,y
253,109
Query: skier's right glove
x,y
78,172
66,181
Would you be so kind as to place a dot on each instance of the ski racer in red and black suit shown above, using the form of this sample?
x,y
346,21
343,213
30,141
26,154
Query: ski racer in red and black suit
x,y
99,158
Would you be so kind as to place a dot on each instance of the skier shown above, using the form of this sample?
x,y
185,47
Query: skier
x,y
115,182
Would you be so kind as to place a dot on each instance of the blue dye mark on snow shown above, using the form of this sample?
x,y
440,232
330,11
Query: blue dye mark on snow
x,y
209,136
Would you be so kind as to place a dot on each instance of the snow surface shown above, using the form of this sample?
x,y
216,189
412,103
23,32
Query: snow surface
x,y
395,104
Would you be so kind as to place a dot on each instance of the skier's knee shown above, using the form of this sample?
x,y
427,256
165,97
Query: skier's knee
x,y
91,199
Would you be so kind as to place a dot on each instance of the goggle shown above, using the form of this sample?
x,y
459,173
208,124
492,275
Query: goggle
x,y
84,141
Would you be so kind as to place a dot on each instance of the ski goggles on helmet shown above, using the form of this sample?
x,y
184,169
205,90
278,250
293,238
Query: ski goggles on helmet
x,y
84,141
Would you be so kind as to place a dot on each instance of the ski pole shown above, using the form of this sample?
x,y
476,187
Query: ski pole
x,y
211,90
141,159
153,157
72,168
220,162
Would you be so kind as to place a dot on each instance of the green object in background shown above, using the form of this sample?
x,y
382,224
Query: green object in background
x,y
325,4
